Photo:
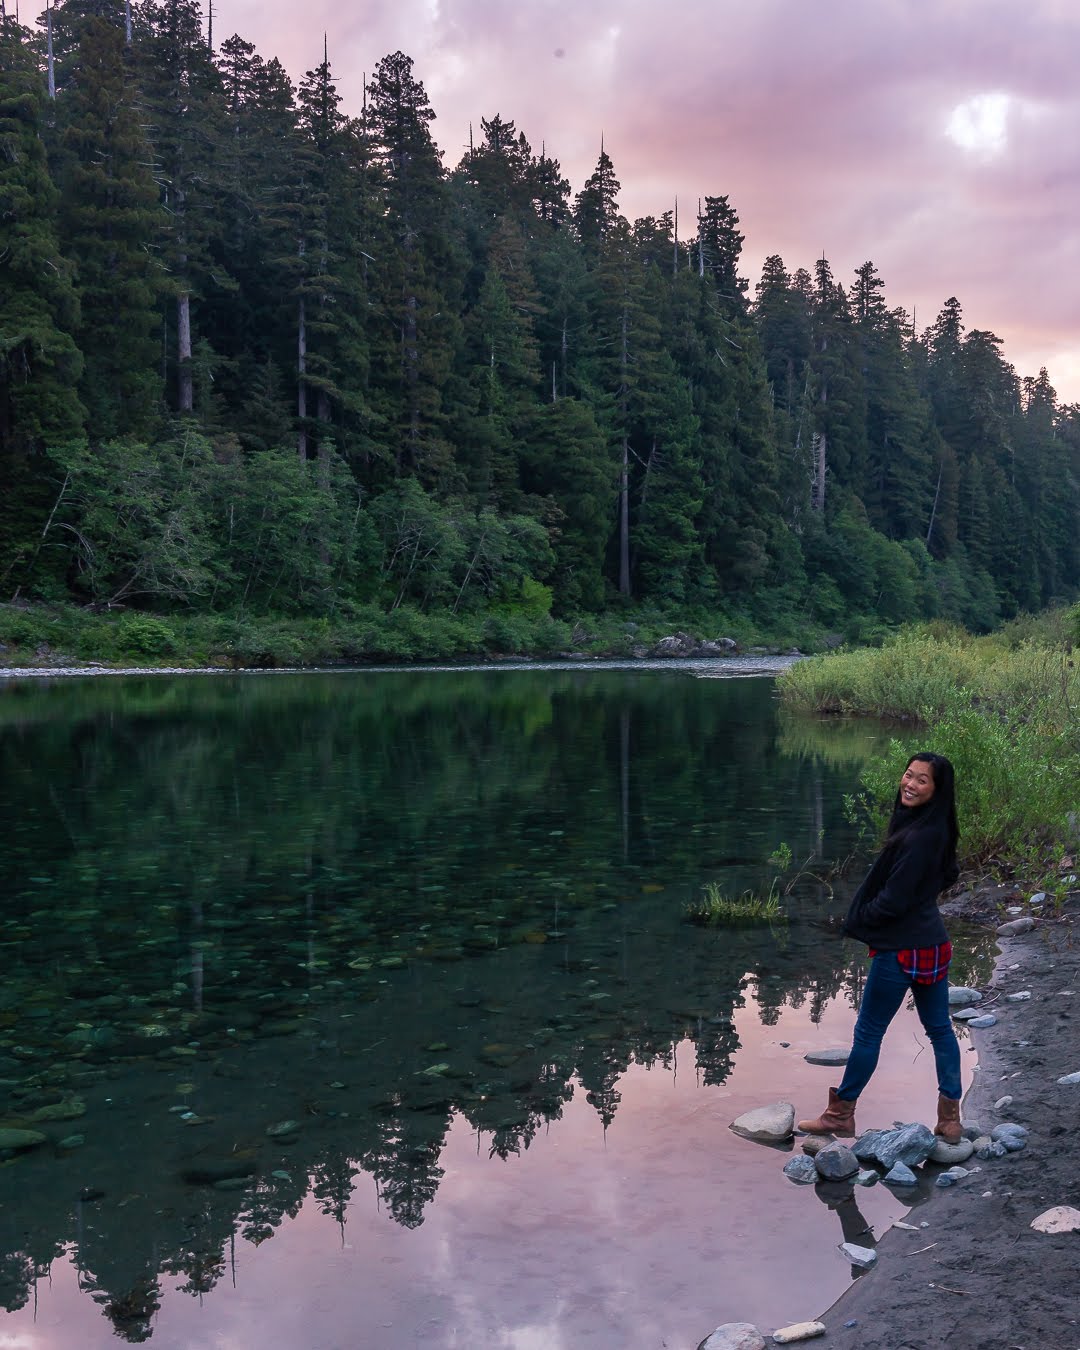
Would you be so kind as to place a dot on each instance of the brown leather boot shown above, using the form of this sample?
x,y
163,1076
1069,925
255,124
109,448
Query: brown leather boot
x,y
837,1118
948,1120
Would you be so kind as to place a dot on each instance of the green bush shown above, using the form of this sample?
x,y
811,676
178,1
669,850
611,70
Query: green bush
x,y
143,635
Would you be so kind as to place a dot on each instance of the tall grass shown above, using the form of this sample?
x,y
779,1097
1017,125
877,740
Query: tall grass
x,y
1005,709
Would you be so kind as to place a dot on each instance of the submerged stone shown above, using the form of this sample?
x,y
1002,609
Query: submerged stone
x,y
832,1058
11,1138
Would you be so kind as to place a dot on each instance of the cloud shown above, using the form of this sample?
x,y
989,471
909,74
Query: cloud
x,y
940,141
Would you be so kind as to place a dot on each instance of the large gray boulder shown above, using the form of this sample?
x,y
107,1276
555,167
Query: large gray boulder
x,y
908,1144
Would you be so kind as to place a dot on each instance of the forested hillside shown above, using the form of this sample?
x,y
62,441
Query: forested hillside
x,y
258,354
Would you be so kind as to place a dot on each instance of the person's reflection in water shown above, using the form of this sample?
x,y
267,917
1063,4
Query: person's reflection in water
x,y
839,1196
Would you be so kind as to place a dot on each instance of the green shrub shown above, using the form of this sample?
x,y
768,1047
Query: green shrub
x,y
143,635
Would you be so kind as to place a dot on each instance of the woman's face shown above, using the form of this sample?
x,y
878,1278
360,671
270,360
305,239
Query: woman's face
x,y
917,784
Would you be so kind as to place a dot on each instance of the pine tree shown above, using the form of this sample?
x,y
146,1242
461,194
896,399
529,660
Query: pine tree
x,y
419,281
110,222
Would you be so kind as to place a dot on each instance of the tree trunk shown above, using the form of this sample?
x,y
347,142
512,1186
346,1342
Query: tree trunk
x,y
301,381
624,520
185,382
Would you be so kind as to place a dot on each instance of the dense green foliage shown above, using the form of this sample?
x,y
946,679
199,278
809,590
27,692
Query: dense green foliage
x,y
1005,709
261,357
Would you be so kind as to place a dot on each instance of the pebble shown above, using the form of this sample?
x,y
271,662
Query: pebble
x,y
1002,1103
986,1020
990,1151
863,1257
734,1336
1070,1078
1021,997
952,1176
1038,898
1060,1219
798,1331
1008,1127
965,1014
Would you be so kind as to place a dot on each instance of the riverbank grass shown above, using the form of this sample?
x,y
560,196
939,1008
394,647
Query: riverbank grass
x,y
1004,709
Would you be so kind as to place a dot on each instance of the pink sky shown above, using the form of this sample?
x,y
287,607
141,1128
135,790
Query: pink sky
x,y
938,138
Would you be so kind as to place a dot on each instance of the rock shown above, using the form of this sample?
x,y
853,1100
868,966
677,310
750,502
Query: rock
x,y
952,1176
283,1129
1060,1219
900,1175
836,1162
1003,1102
1070,1078
814,1143
69,1109
865,1177
960,996
801,1169
798,1331
987,1020
1008,1127
966,1014
1039,898
831,1057
1021,997
767,1124
15,1140
721,647
678,644
991,1151
210,1172
1015,927
734,1336
71,1142
863,1257
949,1154
1013,1143
909,1144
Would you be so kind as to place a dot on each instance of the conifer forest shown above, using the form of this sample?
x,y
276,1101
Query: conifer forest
x,y
258,355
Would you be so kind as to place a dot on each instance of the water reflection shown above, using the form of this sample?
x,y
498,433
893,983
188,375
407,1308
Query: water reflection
x,y
404,962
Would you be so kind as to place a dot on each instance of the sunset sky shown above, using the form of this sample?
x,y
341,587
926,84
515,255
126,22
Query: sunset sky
x,y
939,139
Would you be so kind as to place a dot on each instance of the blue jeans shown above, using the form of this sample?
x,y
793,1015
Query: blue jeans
x,y
886,986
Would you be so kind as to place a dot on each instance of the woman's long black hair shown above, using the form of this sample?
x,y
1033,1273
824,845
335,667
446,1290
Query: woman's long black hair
x,y
940,810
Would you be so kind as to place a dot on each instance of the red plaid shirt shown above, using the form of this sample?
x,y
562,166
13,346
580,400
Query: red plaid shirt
x,y
925,965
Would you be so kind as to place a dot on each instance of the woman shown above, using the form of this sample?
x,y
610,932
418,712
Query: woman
x,y
895,913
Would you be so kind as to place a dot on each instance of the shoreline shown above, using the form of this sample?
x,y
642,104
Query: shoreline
x,y
979,1277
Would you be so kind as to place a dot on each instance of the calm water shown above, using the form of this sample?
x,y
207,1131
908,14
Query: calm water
x,y
361,1009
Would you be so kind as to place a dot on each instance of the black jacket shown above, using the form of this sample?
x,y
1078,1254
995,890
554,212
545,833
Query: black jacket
x,y
896,906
